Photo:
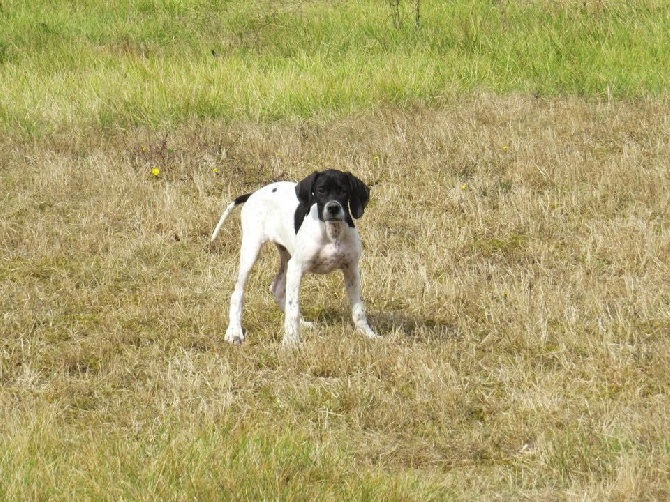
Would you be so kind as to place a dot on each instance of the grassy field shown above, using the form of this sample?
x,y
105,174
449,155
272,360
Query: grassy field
x,y
517,251
120,64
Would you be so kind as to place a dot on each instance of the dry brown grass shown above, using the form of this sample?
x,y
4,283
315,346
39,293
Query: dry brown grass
x,y
517,264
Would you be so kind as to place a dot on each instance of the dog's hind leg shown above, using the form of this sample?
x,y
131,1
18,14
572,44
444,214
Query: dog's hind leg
x,y
278,287
248,255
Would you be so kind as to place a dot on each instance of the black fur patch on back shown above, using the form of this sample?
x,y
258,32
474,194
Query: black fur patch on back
x,y
242,199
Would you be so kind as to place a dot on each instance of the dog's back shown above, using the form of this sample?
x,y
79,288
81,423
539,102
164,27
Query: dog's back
x,y
268,214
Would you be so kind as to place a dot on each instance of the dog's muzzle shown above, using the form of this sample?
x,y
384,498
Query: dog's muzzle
x,y
333,211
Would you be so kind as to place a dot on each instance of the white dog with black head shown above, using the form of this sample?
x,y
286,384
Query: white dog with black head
x,y
312,227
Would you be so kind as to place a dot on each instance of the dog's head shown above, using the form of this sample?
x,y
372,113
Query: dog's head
x,y
337,195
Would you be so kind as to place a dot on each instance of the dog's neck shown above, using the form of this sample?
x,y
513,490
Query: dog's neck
x,y
334,230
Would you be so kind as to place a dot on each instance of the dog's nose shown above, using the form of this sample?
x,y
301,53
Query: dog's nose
x,y
333,209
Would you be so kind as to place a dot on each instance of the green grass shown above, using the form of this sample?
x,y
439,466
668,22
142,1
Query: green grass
x,y
118,64
181,462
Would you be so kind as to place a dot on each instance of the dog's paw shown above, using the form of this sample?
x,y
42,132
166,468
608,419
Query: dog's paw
x,y
369,333
290,343
291,334
234,336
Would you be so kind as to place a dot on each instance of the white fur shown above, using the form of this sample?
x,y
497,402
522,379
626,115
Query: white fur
x,y
318,247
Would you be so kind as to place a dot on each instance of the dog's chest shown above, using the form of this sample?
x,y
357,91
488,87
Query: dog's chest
x,y
331,256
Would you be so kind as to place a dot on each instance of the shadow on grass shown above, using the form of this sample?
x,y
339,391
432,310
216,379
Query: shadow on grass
x,y
388,323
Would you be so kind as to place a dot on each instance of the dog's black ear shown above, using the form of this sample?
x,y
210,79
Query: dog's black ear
x,y
360,195
304,189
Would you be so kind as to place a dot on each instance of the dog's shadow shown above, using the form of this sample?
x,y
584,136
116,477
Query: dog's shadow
x,y
395,323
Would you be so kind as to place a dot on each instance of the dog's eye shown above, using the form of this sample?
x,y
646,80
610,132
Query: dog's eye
x,y
321,191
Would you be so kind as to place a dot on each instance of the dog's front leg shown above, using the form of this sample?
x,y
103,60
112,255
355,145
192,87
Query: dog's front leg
x,y
294,273
352,281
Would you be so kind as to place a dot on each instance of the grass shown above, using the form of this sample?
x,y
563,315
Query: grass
x,y
520,288
516,251
123,64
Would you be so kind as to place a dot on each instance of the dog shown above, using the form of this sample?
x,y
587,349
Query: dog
x,y
312,225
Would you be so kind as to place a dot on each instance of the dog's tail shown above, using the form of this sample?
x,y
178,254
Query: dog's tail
x,y
240,200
